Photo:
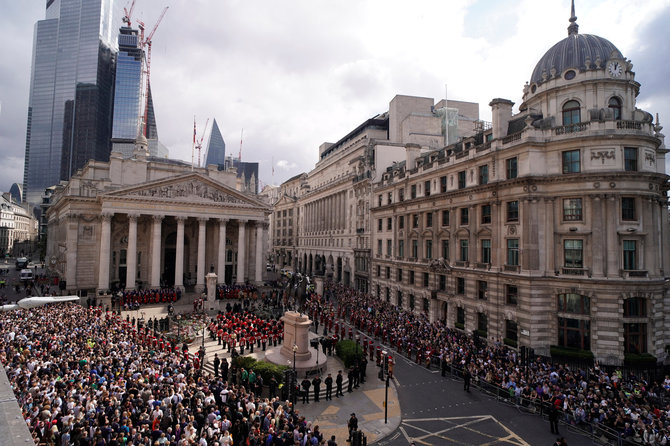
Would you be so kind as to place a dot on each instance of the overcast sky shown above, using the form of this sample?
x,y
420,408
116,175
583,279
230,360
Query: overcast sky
x,y
294,74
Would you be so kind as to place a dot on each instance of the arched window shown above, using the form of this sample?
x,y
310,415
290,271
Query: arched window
x,y
614,105
571,113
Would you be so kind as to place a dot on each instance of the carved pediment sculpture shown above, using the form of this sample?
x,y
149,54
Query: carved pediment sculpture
x,y
439,266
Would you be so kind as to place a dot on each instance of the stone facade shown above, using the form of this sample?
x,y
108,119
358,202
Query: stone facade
x,y
150,222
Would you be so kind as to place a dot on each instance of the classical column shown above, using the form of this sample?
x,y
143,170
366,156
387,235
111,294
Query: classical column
x,y
241,251
597,258
221,259
259,252
612,240
202,234
71,251
131,257
105,240
179,254
156,251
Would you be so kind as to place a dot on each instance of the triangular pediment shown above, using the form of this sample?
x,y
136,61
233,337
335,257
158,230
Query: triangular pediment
x,y
191,188
285,200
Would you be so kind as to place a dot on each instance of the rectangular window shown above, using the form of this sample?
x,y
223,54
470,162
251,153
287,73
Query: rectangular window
x,y
415,249
465,216
445,249
627,208
460,316
486,251
482,287
629,255
445,218
401,194
429,220
571,161
443,282
411,277
426,188
486,214
635,338
413,191
401,248
443,184
573,253
511,294
401,222
574,303
512,211
482,323
484,174
461,179
389,199
511,331
460,285
379,201
388,272
635,307
574,333
379,224
426,279
389,247
379,247
399,275
572,209
415,220
630,159
511,168
429,249
379,270
464,250
513,252
389,224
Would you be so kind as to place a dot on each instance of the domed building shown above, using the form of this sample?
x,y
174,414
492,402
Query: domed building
x,y
548,230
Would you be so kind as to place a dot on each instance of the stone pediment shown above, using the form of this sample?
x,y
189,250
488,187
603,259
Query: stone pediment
x,y
192,188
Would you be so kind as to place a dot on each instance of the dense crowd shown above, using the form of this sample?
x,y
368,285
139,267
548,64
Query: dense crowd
x,y
236,291
133,299
243,329
87,378
630,405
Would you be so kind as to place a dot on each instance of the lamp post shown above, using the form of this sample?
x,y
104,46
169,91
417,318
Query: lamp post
x,y
295,377
178,328
385,370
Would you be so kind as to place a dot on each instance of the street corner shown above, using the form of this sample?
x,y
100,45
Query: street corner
x,y
377,397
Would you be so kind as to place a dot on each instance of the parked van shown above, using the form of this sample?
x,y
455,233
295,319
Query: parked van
x,y
26,274
21,262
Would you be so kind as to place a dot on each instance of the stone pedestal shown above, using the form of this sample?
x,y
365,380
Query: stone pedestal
x,y
318,285
210,279
296,332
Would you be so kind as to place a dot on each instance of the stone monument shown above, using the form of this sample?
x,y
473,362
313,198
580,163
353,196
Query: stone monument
x,y
296,332
210,279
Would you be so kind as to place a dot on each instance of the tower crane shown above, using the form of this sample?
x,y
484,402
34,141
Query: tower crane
x,y
127,14
198,144
147,43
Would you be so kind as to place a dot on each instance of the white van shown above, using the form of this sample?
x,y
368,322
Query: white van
x,y
27,274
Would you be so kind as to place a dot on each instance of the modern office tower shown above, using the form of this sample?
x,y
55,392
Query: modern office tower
x,y
128,103
71,85
127,92
216,149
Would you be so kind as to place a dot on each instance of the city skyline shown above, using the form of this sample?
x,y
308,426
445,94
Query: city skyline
x,y
291,91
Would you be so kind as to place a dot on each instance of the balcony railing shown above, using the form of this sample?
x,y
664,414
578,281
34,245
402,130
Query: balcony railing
x,y
635,273
512,268
629,125
572,128
576,271
480,265
462,263
511,138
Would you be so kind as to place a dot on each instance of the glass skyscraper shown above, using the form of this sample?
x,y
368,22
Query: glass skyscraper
x,y
71,88
216,148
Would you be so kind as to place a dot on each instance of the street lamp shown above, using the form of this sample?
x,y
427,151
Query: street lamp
x,y
178,328
295,377
385,370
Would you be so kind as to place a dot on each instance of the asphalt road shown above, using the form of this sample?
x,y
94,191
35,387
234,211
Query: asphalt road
x,y
437,411
11,277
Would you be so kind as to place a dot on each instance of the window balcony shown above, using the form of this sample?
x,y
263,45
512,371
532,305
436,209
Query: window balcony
x,y
512,268
575,271
634,273
486,266
462,263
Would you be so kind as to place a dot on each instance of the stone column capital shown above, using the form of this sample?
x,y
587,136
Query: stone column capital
x,y
223,220
133,216
180,218
158,218
203,219
106,216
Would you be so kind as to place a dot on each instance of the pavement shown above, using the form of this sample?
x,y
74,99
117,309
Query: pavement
x,y
367,402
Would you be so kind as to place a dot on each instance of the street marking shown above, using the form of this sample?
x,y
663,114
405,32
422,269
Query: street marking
x,y
511,438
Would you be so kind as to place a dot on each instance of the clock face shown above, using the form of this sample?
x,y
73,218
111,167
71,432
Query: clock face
x,y
615,69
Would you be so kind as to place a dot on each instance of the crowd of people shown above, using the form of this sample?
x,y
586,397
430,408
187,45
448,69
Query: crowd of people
x,y
235,291
134,299
629,405
243,329
87,378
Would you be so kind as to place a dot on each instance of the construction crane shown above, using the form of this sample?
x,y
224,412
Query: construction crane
x,y
127,14
147,43
198,144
